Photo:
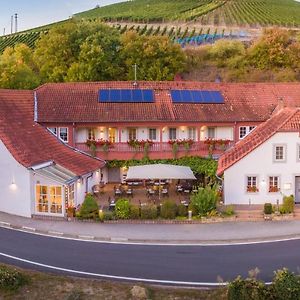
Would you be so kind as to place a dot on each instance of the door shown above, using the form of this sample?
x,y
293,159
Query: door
x,y
297,189
112,135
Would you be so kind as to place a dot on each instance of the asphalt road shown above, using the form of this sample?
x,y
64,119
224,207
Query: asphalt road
x,y
181,264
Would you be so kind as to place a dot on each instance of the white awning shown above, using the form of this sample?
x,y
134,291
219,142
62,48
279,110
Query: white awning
x,y
56,173
159,171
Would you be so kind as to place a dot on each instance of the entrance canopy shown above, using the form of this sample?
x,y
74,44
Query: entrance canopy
x,y
159,171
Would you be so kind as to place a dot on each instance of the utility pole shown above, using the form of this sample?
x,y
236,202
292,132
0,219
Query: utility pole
x,y
4,31
11,24
135,72
16,23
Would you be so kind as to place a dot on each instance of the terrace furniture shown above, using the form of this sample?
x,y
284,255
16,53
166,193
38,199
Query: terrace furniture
x,y
165,192
129,192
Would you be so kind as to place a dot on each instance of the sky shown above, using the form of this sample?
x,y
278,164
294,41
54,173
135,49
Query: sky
x,y
33,13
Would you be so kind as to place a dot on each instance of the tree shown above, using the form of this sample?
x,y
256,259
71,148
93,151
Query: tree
x,y
78,51
17,68
157,58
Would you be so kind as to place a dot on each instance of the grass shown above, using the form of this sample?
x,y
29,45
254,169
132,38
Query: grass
x,y
49,286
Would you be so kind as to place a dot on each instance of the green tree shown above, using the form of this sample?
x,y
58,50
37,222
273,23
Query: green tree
x,y
157,58
78,51
17,68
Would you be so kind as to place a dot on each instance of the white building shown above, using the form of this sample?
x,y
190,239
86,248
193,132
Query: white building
x,y
265,165
39,175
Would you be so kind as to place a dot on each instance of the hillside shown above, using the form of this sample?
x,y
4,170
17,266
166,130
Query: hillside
x,y
214,12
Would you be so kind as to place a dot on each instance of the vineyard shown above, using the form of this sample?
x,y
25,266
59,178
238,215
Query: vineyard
x,y
211,12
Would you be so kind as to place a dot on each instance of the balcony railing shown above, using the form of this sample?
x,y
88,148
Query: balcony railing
x,y
156,150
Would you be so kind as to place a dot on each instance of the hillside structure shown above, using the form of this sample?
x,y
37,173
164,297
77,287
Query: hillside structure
x,y
54,141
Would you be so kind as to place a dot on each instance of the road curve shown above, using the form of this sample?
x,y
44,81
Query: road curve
x,y
183,265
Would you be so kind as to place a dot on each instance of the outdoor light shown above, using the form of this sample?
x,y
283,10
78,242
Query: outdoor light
x,y
263,182
190,215
13,185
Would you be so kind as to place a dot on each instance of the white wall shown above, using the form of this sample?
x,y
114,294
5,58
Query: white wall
x,y
260,163
220,133
14,199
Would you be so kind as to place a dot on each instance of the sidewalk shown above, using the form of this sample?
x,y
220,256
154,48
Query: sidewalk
x,y
161,233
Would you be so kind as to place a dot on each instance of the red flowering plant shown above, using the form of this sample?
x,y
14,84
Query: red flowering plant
x,y
100,142
139,143
252,189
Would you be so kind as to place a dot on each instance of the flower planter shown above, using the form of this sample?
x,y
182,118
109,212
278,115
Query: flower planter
x,y
268,217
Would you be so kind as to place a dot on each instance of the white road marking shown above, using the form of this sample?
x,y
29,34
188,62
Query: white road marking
x,y
28,228
173,282
203,244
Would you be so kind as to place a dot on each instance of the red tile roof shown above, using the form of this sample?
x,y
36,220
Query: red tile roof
x,y
78,102
288,119
30,143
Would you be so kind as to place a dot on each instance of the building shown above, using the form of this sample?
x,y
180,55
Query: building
x,y
39,175
161,112
265,165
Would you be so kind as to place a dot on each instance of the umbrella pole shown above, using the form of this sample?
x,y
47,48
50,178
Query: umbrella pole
x,y
159,191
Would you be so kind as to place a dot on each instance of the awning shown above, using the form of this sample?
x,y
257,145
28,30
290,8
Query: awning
x,y
55,172
159,171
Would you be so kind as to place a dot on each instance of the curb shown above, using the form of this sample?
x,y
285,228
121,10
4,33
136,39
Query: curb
x,y
122,240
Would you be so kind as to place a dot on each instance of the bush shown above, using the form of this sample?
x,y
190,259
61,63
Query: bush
x,y
246,289
122,209
288,205
149,212
181,210
205,200
268,209
168,210
89,207
109,215
11,279
285,285
134,212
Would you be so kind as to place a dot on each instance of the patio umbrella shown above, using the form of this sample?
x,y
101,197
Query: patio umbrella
x,y
159,171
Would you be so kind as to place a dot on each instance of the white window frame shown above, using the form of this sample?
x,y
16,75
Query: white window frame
x,y
278,183
247,130
192,133
150,134
91,134
59,132
251,184
129,133
298,153
284,154
173,130
212,129
53,130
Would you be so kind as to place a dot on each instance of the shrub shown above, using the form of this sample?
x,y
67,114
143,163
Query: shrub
x,y
246,289
288,205
89,207
134,212
109,215
168,210
149,212
228,210
122,209
268,209
285,285
205,200
11,279
181,210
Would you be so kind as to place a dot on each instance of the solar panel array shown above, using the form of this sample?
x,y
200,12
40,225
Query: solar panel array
x,y
126,96
197,96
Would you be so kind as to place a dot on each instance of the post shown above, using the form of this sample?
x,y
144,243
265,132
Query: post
x,y
16,23
11,24
190,215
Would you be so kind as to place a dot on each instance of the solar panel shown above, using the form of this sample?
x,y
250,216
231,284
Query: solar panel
x,y
197,96
126,96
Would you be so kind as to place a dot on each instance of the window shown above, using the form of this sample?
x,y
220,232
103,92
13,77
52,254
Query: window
x,y
152,134
211,132
244,130
192,133
49,199
279,153
172,134
252,184
112,135
131,134
273,184
53,130
91,134
63,134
